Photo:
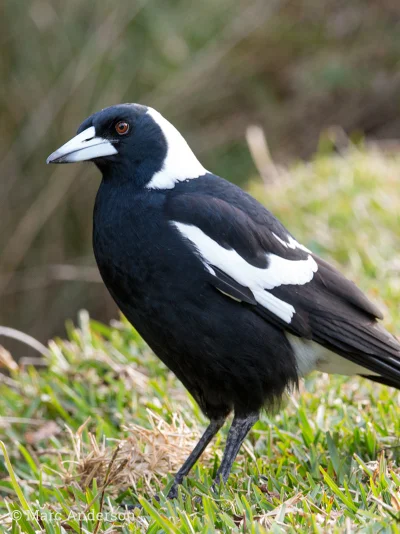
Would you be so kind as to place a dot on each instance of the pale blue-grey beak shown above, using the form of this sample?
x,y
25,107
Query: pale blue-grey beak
x,y
83,147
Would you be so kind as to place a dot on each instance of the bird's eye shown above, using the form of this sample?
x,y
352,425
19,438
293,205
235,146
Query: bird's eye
x,y
122,127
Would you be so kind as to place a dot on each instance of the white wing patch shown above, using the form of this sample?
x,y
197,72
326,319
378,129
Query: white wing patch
x,y
180,163
278,307
291,243
279,271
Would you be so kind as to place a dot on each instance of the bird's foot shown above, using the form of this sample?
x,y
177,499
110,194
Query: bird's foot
x,y
173,491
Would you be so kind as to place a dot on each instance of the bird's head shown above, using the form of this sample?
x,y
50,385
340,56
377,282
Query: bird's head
x,y
132,142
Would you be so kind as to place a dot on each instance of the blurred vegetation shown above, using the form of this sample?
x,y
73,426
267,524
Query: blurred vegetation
x,y
213,68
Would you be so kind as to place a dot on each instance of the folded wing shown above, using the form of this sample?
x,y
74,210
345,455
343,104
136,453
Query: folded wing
x,y
250,257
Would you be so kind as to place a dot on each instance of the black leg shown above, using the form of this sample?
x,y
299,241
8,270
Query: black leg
x,y
239,429
205,439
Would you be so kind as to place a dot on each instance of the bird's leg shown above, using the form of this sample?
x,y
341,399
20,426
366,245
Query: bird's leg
x,y
239,429
210,432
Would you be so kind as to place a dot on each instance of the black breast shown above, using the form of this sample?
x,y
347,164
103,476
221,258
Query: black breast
x,y
225,355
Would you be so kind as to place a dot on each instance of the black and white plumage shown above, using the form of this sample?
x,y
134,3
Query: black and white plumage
x,y
215,284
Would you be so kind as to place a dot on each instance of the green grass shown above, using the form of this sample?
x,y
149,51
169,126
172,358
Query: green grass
x,y
326,462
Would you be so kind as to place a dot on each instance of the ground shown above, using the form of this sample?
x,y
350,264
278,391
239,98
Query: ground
x,y
104,422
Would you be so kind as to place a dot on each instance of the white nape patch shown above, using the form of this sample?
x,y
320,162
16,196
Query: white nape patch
x,y
291,243
311,356
83,147
279,271
180,163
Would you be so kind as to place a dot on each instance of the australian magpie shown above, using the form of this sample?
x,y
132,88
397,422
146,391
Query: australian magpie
x,y
215,284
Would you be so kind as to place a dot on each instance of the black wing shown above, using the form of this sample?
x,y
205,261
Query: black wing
x,y
328,309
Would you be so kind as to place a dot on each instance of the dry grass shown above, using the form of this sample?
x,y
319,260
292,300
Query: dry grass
x,y
147,454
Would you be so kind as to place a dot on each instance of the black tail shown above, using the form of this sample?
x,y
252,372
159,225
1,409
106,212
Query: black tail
x,y
365,343
383,380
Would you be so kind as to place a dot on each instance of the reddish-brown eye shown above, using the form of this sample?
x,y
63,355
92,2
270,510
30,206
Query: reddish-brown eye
x,y
122,127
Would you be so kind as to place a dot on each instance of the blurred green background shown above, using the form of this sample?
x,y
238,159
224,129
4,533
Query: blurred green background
x,y
212,68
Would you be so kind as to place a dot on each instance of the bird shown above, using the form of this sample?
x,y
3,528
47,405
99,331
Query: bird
x,y
219,289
